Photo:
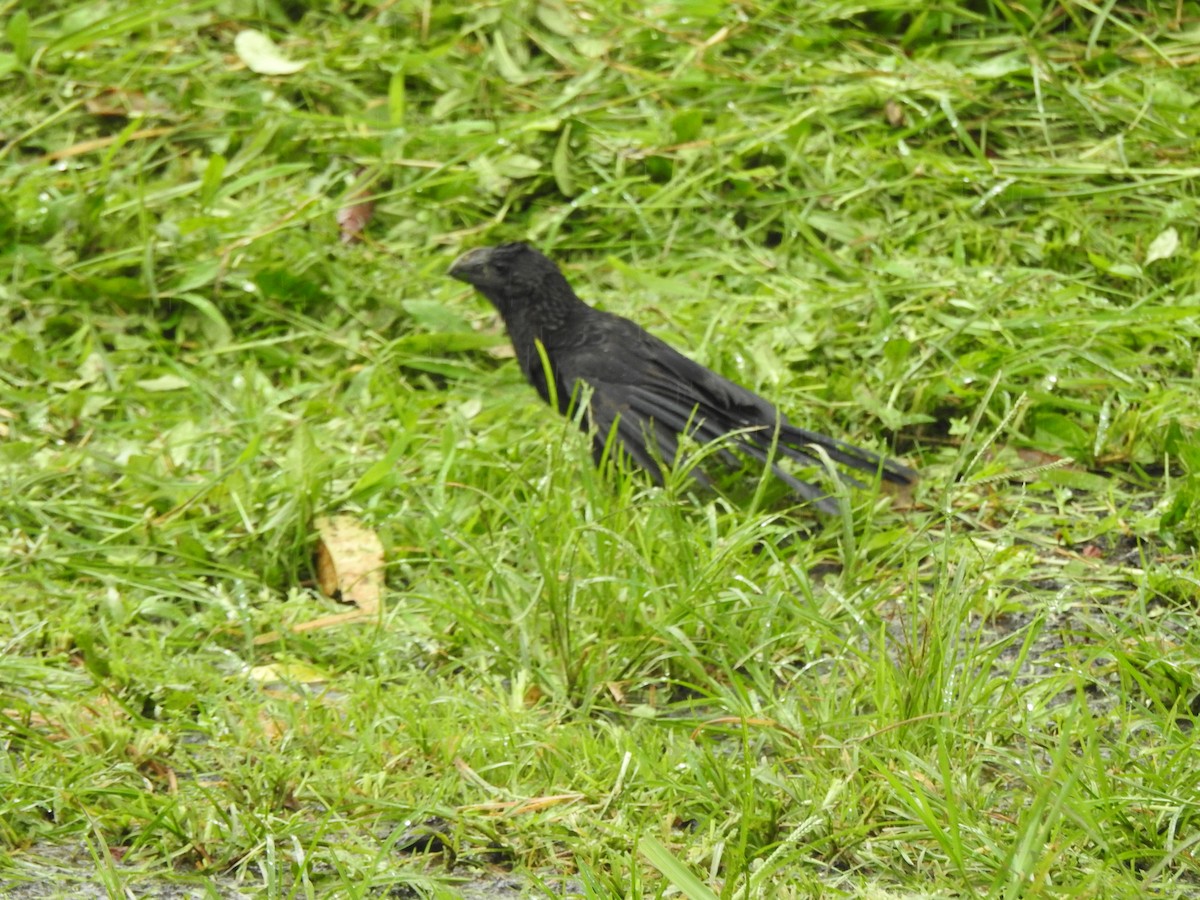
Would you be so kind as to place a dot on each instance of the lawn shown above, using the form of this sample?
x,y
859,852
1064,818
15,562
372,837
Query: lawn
x,y
964,236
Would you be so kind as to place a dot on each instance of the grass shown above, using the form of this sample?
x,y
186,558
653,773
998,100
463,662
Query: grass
x,y
967,233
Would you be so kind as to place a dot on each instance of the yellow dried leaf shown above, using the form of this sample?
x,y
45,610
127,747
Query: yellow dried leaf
x,y
350,562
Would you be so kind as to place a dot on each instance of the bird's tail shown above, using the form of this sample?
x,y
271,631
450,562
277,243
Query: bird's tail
x,y
793,441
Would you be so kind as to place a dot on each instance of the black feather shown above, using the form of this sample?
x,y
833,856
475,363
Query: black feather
x,y
645,389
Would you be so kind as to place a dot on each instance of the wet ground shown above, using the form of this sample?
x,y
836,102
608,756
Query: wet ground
x,y
49,872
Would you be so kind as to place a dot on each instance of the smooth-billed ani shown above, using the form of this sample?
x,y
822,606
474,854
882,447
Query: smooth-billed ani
x,y
646,390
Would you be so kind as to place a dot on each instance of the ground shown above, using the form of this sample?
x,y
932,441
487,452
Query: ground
x,y
964,236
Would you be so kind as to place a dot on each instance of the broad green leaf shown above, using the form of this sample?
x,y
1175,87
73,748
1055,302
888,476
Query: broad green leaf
x,y
382,467
561,163
396,99
210,183
17,32
505,64
674,870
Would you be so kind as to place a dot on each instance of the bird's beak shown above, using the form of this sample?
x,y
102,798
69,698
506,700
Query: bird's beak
x,y
471,267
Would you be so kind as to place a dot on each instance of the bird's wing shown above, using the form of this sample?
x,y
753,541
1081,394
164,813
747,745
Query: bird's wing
x,y
645,439
647,424
627,355
678,381
651,393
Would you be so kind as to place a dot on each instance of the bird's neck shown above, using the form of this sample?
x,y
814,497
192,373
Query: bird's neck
x,y
552,320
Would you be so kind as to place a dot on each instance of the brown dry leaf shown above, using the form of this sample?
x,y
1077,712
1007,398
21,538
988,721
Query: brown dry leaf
x,y
100,143
901,494
1036,457
520,807
924,780
501,351
533,694
350,562
744,721
274,729
356,615
124,104
353,219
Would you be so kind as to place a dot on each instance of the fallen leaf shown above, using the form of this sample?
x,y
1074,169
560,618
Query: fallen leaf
x,y
100,143
1163,246
1037,457
163,383
350,562
501,351
353,219
262,56
116,103
528,805
287,673
317,624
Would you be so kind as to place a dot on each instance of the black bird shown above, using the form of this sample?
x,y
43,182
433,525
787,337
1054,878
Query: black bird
x,y
642,387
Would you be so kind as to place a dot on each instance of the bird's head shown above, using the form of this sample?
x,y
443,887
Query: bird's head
x,y
518,280
490,269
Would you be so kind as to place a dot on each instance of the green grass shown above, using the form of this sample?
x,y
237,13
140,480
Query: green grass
x,y
967,235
